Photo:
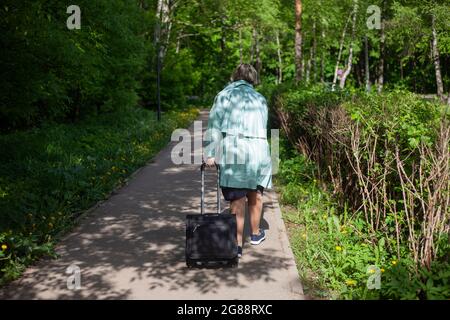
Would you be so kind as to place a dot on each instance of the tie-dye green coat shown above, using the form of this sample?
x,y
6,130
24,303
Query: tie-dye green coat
x,y
237,130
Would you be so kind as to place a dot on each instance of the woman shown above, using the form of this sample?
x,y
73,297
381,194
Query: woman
x,y
237,129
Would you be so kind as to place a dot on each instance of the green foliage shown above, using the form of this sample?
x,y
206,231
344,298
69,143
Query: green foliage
x,y
398,116
334,251
319,119
334,238
433,284
179,78
50,75
50,175
51,72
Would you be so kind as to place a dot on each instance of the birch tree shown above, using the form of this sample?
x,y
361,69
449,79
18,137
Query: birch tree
x,y
298,41
436,58
348,69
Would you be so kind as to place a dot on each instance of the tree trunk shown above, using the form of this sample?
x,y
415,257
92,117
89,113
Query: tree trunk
x,y
322,60
303,65
163,28
366,63
298,41
280,61
436,60
350,54
401,69
382,49
358,72
341,46
313,53
308,66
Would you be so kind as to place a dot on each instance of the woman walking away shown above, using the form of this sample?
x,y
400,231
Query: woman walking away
x,y
237,129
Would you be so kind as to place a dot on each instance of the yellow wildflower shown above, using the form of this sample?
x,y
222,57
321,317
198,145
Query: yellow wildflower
x,y
4,247
382,270
338,248
350,282
394,262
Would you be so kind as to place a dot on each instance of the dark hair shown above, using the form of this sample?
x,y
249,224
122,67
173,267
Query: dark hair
x,y
245,72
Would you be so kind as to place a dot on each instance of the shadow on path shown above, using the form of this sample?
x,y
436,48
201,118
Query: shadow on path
x,y
132,247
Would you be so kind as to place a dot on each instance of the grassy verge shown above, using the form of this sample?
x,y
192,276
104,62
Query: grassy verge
x,y
51,174
335,255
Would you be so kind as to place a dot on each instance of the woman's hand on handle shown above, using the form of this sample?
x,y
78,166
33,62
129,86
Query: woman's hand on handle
x,y
211,162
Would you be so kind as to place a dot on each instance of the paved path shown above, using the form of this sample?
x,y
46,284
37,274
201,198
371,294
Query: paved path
x,y
132,247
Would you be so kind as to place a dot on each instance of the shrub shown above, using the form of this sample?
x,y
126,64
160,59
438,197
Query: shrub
x,y
50,175
50,72
336,256
385,156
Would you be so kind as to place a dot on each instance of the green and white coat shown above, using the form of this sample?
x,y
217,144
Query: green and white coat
x,y
237,130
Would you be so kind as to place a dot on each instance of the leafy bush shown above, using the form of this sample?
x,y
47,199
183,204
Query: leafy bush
x,y
51,72
386,159
335,254
50,175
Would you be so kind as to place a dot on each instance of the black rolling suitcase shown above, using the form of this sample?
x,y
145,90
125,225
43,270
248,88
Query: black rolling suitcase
x,y
211,237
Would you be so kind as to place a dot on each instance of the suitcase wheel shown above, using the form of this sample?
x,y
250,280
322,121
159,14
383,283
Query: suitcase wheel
x,y
190,264
233,263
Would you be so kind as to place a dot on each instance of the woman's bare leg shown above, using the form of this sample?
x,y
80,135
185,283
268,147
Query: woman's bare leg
x,y
255,204
238,208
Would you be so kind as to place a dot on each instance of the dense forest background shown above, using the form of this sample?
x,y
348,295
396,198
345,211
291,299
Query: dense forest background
x,y
51,72
360,89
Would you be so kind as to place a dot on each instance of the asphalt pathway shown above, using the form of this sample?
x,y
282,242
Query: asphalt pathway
x,y
131,246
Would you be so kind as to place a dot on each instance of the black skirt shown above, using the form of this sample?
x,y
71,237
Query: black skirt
x,y
231,194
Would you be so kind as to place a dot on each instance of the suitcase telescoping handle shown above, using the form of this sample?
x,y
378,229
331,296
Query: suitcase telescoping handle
x,y
202,202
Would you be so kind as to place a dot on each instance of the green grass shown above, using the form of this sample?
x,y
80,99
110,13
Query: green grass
x,y
50,175
333,249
